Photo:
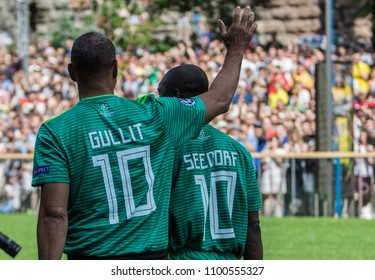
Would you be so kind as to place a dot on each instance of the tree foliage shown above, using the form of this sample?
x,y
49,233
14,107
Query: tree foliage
x,y
115,18
125,24
366,8
213,9
63,30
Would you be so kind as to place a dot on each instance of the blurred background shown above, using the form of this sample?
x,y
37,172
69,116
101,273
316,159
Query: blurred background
x,y
308,121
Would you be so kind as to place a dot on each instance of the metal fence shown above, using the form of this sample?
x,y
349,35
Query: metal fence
x,y
347,193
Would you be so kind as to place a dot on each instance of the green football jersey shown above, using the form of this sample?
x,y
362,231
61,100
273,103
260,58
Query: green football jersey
x,y
117,156
214,189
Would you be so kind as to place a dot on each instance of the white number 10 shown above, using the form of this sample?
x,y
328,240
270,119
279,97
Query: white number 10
x,y
123,158
212,203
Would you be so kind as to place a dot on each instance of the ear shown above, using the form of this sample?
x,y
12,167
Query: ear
x,y
115,69
71,72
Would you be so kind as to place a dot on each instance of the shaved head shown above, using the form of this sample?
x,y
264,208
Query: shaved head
x,y
186,80
92,53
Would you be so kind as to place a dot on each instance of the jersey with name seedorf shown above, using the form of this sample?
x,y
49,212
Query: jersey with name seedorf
x,y
117,155
215,189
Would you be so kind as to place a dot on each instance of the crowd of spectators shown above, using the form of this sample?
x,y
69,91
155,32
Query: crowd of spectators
x,y
273,110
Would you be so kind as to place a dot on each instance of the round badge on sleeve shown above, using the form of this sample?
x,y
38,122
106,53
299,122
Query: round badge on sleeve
x,y
187,101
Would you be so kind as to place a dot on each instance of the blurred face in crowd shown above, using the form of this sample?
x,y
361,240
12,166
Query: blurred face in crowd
x,y
249,55
310,115
301,68
258,131
280,53
369,125
274,142
280,130
250,118
274,119
356,57
235,133
318,56
264,110
267,124
272,52
313,128
306,128
341,50
243,132
363,138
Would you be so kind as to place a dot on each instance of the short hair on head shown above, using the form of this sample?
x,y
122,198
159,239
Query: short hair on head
x,y
188,79
92,53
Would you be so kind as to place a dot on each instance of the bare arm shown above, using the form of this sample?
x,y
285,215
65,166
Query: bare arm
x,y
52,221
236,39
254,245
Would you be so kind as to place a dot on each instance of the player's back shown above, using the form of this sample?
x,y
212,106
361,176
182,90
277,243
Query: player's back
x,y
118,154
213,192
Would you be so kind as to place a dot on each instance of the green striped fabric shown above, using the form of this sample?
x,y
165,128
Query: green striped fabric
x,y
117,155
215,188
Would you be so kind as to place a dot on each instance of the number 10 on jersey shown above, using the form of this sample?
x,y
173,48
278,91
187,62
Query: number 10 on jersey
x,y
123,158
211,205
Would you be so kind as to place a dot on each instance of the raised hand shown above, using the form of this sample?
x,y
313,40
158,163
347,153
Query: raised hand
x,y
240,33
236,39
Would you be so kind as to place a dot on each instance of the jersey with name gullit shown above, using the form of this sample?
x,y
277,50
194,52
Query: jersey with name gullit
x,y
117,156
214,189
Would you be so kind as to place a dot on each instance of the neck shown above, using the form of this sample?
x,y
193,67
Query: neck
x,y
92,89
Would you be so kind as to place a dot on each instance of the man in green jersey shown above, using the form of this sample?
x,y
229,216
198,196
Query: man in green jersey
x,y
105,165
215,200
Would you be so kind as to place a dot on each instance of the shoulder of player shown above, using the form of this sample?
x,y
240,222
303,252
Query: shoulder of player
x,y
218,133
151,101
149,98
174,101
61,116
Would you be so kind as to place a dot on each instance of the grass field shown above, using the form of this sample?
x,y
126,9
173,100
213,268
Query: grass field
x,y
299,238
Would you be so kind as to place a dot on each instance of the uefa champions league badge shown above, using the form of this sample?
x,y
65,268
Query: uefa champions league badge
x,y
105,110
187,101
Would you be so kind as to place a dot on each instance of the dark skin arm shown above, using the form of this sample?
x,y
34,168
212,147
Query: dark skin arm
x,y
254,245
52,221
236,39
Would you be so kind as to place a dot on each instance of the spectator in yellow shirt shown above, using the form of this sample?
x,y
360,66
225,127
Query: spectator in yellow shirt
x,y
302,76
361,73
342,97
280,95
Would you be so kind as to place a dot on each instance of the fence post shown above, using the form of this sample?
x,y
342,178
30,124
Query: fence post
x,y
293,181
338,187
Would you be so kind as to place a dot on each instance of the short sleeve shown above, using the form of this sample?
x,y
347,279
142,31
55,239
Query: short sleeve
x,y
253,192
183,117
50,164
